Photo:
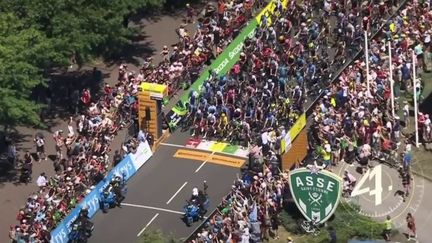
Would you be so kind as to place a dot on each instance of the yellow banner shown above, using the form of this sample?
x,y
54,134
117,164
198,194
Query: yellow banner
x,y
269,11
298,126
154,88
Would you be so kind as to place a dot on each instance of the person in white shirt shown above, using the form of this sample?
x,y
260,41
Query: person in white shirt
x,y
42,180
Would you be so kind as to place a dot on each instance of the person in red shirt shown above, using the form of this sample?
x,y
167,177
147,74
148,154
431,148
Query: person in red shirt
x,y
411,225
86,97
221,9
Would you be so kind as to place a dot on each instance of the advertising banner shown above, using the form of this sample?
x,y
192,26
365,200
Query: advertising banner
x,y
141,156
224,62
269,10
298,126
127,168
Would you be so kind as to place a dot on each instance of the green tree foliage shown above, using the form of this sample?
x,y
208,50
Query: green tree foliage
x,y
22,52
348,223
156,236
40,35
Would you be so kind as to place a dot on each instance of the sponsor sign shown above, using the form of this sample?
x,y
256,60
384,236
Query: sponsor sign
x,y
141,156
316,192
127,168
225,61
298,126
269,10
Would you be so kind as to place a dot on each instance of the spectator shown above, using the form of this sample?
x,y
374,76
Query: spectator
x,y
42,180
12,153
388,224
40,147
411,225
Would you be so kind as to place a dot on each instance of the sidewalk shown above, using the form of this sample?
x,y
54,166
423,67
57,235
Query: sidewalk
x,y
12,194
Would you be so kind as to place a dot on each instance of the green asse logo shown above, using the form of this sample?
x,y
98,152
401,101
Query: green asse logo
x,y
316,192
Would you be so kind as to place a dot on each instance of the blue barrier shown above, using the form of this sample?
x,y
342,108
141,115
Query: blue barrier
x,y
127,167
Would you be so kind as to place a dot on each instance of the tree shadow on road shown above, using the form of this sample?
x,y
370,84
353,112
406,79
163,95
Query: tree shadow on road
x,y
8,174
134,52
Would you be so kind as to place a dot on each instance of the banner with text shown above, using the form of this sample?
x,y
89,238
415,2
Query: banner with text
x,y
224,62
127,167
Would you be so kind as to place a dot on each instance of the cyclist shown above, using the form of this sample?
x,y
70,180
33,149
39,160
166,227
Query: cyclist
x,y
210,126
197,122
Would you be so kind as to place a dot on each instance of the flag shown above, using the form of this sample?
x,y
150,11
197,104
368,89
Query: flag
x,y
253,216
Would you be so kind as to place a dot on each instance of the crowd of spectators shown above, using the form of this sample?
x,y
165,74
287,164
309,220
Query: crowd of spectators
x,y
264,93
216,27
350,123
81,161
82,154
250,212
280,69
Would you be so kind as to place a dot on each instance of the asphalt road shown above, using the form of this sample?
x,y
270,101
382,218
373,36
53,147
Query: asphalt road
x,y
164,182
12,193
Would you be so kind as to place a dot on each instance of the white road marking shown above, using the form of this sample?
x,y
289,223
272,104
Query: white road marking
x,y
203,163
153,208
175,194
186,147
147,225
173,145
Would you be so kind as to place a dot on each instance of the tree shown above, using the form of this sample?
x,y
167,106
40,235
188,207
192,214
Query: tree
x,y
80,28
156,236
22,50
41,35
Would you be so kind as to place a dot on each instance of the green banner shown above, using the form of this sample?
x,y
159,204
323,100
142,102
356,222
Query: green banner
x,y
223,63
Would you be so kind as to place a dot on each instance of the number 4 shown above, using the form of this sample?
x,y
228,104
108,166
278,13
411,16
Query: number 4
x,y
376,173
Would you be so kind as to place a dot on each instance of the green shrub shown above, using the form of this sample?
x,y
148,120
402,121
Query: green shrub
x,y
347,221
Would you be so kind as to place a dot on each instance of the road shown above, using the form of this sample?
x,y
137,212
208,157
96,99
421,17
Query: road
x,y
13,194
378,194
163,183
163,178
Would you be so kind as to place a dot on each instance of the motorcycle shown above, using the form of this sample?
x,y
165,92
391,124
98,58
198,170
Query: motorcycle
x,y
81,231
196,208
113,194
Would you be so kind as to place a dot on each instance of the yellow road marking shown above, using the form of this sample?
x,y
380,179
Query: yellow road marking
x,y
211,158
190,154
225,160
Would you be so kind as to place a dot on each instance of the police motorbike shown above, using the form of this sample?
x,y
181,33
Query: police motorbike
x,y
82,228
197,206
113,194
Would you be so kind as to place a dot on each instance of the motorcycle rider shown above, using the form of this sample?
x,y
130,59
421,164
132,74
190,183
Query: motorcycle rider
x,y
117,185
198,199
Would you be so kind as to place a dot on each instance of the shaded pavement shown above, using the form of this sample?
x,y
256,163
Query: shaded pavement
x,y
12,194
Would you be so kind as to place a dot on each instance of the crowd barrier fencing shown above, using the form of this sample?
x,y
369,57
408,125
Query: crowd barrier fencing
x,y
127,168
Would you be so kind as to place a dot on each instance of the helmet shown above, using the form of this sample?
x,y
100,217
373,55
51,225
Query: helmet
x,y
195,191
